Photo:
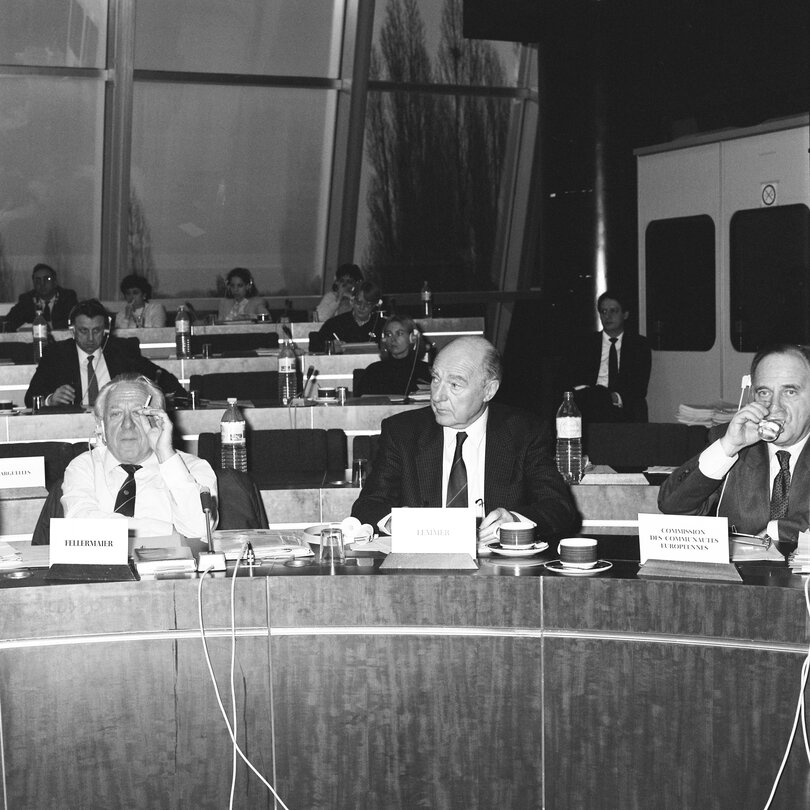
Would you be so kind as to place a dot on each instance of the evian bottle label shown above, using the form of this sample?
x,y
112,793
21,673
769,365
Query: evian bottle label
x,y
569,427
232,432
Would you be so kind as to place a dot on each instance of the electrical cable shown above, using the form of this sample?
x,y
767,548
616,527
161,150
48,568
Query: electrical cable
x,y
219,698
799,708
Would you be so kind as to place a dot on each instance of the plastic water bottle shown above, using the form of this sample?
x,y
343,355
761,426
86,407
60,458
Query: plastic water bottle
x,y
182,332
232,435
40,330
287,373
427,301
569,439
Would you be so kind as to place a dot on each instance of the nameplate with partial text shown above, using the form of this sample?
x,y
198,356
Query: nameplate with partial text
x,y
433,531
87,541
25,471
683,537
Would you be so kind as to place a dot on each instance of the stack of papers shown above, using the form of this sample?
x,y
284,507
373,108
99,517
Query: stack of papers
x,y
268,544
800,561
172,559
9,556
719,413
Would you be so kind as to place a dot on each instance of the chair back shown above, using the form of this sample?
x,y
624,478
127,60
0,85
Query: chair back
x,y
239,501
57,455
252,385
366,447
278,457
634,444
52,508
357,382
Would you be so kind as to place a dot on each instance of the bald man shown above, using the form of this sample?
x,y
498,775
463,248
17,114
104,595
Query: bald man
x,y
506,452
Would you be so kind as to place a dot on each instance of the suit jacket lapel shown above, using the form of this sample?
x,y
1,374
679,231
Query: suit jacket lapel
x,y
499,457
429,448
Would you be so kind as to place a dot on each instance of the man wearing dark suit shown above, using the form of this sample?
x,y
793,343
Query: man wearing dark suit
x,y
604,391
54,301
64,376
506,452
760,486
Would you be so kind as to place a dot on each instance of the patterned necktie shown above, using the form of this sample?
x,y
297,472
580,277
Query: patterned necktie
x,y
457,483
92,382
125,500
781,487
613,366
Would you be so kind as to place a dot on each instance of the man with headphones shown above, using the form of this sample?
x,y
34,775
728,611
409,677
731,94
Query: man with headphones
x,y
400,371
73,371
53,301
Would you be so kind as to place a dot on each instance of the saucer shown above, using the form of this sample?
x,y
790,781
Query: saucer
x,y
9,412
496,548
558,568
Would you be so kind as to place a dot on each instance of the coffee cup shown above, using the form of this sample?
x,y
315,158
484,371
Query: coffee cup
x,y
327,393
518,534
6,405
577,552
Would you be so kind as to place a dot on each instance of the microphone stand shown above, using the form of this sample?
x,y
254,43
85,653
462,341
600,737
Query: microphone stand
x,y
209,560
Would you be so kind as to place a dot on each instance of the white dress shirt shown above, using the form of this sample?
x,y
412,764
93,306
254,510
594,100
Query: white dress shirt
x,y
714,463
474,453
99,366
167,495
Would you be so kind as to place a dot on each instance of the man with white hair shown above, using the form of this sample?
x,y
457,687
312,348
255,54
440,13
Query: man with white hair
x,y
135,473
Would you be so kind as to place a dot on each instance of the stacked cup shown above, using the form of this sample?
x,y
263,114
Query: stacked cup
x,y
577,552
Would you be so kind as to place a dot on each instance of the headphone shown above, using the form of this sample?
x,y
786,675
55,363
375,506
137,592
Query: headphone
x,y
94,309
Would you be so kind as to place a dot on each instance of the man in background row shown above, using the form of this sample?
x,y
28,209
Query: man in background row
x,y
73,371
609,371
505,452
55,302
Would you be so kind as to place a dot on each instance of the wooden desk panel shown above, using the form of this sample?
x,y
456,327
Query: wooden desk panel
x,y
400,691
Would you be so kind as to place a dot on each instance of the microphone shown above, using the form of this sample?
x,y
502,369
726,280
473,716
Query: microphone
x,y
286,330
310,372
406,400
209,560
205,500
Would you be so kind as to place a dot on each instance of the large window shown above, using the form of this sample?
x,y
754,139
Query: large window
x,y
180,139
770,276
437,124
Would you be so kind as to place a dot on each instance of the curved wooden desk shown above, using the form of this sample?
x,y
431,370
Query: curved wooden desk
x,y
474,691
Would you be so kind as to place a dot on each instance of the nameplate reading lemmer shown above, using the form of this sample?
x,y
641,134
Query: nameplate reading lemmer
x,y
683,537
433,531
80,541
27,471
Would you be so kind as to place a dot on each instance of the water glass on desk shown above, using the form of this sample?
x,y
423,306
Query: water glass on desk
x,y
359,472
332,551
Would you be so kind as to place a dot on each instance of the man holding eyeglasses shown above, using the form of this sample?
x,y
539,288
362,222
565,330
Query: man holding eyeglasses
x,y
54,301
400,368
360,325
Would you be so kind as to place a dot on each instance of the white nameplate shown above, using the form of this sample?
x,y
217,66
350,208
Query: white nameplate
x,y
79,541
433,531
683,537
28,471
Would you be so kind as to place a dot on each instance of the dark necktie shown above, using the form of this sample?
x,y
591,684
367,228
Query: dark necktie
x,y
92,382
781,487
613,366
125,500
46,311
457,483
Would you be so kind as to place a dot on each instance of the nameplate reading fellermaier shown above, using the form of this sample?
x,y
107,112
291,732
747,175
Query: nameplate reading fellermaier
x,y
683,537
80,541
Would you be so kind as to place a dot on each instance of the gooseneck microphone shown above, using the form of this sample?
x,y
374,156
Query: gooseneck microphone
x,y
406,400
209,560
310,373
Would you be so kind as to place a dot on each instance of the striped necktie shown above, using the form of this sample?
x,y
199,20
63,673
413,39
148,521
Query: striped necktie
x,y
92,382
457,483
125,500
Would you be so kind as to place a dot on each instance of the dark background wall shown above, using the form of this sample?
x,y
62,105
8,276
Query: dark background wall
x,y
616,75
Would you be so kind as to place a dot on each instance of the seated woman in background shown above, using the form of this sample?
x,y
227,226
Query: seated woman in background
x,y
139,311
400,368
241,302
339,299
362,323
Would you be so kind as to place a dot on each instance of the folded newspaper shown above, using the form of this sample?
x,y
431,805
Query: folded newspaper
x,y
267,543
800,560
